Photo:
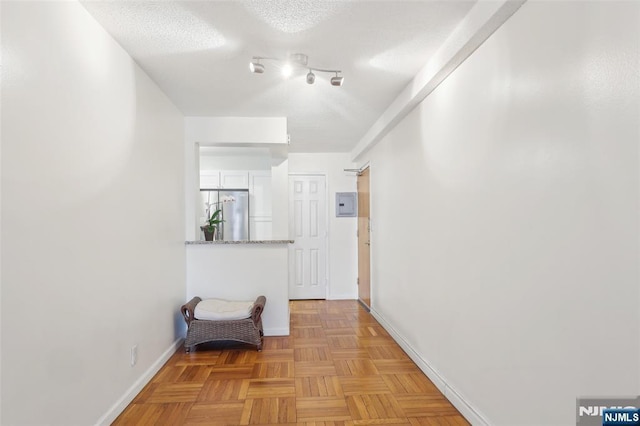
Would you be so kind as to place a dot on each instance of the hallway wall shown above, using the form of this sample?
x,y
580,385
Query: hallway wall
x,y
92,217
505,217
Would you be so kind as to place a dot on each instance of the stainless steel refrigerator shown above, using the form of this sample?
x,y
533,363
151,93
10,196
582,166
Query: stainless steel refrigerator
x,y
235,212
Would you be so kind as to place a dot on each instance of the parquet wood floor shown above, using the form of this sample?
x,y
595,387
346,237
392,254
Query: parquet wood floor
x,y
338,367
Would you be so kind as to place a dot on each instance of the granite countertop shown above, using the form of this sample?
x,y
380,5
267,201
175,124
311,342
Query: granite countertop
x,y
241,242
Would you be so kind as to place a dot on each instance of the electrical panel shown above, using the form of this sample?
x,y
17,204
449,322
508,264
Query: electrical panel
x,y
346,204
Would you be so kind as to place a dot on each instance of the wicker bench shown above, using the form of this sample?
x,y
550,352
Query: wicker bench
x,y
248,330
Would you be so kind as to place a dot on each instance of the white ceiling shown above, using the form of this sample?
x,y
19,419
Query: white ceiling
x,y
198,53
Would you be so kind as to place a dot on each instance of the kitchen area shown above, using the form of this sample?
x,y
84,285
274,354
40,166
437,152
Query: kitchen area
x,y
236,183
238,167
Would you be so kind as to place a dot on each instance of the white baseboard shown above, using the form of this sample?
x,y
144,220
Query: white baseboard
x,y
137,386
465,407
276,331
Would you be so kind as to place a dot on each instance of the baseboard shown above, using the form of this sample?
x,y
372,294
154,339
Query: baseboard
x,y
364,305
137,386
465,407
276,331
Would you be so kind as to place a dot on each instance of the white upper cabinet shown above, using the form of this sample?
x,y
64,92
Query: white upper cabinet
x,y
227,179
234,179
260,192
209,179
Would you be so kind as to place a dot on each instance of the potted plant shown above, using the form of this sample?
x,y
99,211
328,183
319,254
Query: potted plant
x,y
211,228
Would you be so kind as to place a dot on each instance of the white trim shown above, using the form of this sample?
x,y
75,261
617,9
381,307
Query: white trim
x,y
276,331
465,407
327,240
117,408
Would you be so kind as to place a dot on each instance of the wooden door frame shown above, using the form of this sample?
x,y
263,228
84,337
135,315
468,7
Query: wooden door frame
x,y
366,166
326,237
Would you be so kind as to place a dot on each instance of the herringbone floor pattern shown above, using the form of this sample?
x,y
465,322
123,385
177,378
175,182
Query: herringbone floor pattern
x,y
338,367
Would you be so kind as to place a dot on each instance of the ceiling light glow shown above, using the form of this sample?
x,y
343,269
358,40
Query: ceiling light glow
x,y
287,70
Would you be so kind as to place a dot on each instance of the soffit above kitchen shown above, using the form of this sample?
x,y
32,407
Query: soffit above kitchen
x,y
198,53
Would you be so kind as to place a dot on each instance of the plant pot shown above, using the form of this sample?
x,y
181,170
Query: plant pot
x,y
209,235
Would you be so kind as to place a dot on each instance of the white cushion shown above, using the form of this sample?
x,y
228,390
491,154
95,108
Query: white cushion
x,y
219,309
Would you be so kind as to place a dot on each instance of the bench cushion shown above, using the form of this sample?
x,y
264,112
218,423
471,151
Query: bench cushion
x,y
219,309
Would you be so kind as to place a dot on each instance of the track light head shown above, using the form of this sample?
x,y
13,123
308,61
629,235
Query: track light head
x,y
337,81
311,77
256,67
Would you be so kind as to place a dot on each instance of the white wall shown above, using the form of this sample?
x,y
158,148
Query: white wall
x,y
505,217
215,162
220,270
342,243
92,217
1,77
237,130
280,200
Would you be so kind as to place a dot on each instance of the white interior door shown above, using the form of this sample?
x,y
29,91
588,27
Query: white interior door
x,y
308,227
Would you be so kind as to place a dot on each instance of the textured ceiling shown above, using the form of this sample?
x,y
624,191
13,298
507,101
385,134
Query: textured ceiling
x,y
198,53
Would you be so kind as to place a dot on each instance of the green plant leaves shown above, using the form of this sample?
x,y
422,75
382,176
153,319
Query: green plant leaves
x,y
213,220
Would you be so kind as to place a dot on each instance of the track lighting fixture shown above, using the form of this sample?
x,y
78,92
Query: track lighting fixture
x,y
256,67
337,81
293,62
311,77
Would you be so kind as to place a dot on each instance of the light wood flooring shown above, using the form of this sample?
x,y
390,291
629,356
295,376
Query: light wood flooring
x,y
338,367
